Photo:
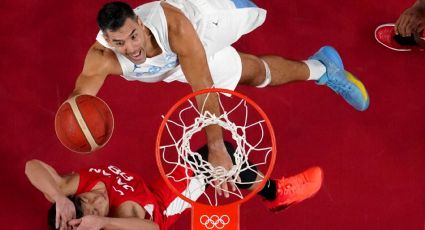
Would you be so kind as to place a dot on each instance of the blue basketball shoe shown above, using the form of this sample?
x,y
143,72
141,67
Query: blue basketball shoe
x,y
341,81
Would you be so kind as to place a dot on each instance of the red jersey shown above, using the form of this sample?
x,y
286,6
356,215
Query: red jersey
x,y
122,186
162,205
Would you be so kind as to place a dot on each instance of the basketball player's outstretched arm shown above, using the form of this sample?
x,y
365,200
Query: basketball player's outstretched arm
x,y
99,63
55,188
184,41
412,20
92,222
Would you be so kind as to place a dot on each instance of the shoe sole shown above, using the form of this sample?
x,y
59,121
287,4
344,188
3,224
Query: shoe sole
x,y
360,86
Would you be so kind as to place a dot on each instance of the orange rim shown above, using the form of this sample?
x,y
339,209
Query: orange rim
x,y
215,90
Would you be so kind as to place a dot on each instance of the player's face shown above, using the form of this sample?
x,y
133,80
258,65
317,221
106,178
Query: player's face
x,y
129,40
95,203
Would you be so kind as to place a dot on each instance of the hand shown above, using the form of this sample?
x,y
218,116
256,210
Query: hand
x,y
89,222
221,160
65,211
411,21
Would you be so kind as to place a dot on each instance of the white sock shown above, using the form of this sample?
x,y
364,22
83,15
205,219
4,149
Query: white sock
x,y
317,69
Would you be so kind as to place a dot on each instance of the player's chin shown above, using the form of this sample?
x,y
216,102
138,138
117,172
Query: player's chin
x,y
138,59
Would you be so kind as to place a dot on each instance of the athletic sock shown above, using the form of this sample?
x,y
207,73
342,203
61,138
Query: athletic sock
x,y
269,190
317,69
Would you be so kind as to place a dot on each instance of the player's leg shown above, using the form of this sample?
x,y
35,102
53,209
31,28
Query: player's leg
x,y
281,70
170,205
325,67
278,194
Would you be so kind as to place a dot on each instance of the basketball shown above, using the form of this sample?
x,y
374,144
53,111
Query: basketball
x,y
84,123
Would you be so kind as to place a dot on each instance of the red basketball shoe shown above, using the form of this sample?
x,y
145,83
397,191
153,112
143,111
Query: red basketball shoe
x,y
295,189
386,36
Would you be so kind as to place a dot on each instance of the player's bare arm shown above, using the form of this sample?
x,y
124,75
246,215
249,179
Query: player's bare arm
x,y
130,209
185,42
48,181
129,215
55,188
100,62
129,224
93,222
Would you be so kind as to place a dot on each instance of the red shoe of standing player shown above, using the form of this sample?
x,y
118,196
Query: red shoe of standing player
x,y
295,189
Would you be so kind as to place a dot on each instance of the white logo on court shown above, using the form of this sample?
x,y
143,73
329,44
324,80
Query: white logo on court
x,y
214,221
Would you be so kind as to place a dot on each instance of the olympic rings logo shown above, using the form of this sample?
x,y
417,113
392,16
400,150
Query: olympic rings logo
x,y
214,221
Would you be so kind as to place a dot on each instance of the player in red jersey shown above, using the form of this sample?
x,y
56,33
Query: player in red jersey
x,y
111,198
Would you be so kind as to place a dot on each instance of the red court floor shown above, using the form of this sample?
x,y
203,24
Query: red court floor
x,y
374,162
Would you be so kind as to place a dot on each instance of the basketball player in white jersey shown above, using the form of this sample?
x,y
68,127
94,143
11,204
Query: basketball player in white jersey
x,y
190,41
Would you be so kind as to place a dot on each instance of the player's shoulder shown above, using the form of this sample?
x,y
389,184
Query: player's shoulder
x,y
130,208
176,19
70,183
181,34
101,59
100,51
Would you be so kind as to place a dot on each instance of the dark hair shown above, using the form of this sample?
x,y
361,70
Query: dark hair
x,y
51,216
113,15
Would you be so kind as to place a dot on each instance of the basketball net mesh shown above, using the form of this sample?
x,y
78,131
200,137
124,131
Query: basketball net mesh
x,y
202,170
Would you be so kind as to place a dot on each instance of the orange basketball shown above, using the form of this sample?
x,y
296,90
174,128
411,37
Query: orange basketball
x,y
84,123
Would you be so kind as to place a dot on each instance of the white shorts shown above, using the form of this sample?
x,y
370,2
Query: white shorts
x,y
220,23
225,67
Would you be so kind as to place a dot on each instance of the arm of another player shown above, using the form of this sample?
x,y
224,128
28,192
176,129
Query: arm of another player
x,y
92,222
99,63
185,42
55,188
412,20
129,215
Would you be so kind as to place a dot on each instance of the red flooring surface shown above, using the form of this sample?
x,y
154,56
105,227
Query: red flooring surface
x,y
373,161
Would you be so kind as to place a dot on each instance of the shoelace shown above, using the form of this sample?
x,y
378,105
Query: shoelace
x,y
290,188
339,86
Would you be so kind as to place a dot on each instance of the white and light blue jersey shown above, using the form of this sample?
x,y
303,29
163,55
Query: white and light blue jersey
x,y
218,23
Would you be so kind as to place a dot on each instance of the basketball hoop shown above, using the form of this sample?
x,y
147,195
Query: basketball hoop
x,y
244,124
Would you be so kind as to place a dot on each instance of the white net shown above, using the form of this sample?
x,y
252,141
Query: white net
x,y
184,165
